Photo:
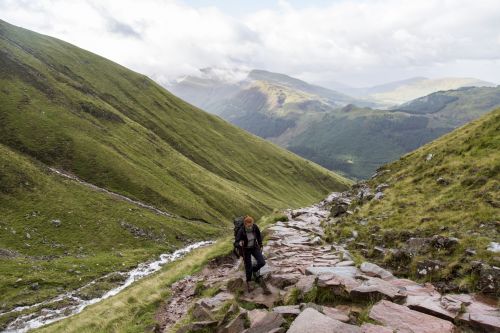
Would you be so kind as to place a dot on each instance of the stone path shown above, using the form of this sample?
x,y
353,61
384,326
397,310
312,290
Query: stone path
x,y
310,286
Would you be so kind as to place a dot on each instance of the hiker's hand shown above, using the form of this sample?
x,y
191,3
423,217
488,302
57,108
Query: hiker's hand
x,y
241,243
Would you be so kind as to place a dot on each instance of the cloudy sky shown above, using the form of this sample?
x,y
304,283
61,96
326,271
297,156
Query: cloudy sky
x,y
356,42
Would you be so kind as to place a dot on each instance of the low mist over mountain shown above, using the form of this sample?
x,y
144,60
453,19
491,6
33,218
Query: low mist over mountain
x,y
317,123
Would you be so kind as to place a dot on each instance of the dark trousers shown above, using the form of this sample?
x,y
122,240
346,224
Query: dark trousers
x,y
247,258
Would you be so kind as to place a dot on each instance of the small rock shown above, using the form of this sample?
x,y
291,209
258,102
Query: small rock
x,y
381,187
443,242
426,267
35,286
379,196
442,181
287,310
429,157
470,252
494,247
56,223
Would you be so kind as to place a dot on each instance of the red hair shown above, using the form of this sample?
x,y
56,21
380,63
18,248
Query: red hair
x,y
248,219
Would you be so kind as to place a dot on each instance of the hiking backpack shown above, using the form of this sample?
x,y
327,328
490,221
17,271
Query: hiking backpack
x,y
238,224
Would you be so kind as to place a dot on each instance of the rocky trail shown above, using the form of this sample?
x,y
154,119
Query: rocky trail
x,y
314,287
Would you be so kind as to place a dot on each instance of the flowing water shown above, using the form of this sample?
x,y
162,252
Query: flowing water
x,y
75,304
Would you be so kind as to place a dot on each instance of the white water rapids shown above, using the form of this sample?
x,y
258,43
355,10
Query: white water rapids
x,y
46,316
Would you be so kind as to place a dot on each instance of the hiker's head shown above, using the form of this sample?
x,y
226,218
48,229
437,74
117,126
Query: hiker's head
x,y
248,222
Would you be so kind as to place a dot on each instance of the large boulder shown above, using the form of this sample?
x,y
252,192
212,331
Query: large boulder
x,y
312,321
404,320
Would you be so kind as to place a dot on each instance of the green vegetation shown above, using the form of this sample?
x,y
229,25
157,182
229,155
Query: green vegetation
x,y
120,314
449,187
60,235
63,107
356,141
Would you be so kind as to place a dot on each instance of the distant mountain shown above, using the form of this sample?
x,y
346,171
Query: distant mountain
x,y
271,105
63,108
317,123
356,140
399,92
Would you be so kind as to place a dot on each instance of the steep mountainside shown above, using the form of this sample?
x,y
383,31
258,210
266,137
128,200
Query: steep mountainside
x,y
437,209
66,108
356,141
271,105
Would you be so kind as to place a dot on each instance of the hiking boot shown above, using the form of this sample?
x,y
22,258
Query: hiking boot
x,y
249,287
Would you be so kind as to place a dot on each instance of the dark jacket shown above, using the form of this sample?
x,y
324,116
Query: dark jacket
x,y
242,236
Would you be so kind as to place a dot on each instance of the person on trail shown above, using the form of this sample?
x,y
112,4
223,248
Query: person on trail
x,y
250,240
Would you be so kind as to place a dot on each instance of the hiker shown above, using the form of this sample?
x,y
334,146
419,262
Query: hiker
x,y
250,240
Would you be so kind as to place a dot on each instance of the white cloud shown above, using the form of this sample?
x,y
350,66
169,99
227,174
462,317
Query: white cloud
x,y
364,41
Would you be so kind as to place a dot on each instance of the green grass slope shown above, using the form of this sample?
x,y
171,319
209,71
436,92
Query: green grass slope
x,y
117,129
97,234
63,107
464,203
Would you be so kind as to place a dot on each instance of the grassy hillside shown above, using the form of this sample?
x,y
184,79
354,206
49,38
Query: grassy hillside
x,y
356,141
63,107
59,235
449,187
117,129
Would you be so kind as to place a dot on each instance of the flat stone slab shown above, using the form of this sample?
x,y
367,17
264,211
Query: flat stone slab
x,y
400,318
216,300
375,289
285,310
312,321
348,271
345,263
340,285
442,307
374,270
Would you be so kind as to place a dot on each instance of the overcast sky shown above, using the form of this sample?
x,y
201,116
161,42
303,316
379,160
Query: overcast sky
x,y
357,42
